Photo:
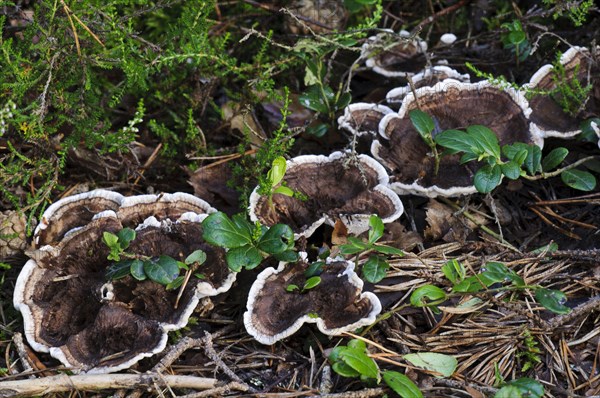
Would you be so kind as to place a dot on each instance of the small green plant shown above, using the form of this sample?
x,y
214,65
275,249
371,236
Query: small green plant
x,y
353,360
523,387
479,143
248,244
274,183
310,283
530,352
161,269
493,273
376,266
577,11
515,40
569,93
425,126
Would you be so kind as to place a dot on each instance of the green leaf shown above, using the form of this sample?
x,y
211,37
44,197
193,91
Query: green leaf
x,y
358,344
385,249
528,387
554,158
248,257
278,167
344,369
314,269
292,288
487,178
468,285
508,392
533,161
161,270
401,384
312,282
359,360
375,268
343,100
354,246
423,123
553,300
515,151
468,157
549,248
111,240
277,239
221,231
118,270
289,256
440,363
516,37
136,269
454,271
176,283
126,235
283,190
376,230
318,131
511,169
495,272
427,295
316,99
485,139
197,256
579,179
456,141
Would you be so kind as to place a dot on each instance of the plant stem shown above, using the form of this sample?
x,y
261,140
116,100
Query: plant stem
x,y
436,156
559,171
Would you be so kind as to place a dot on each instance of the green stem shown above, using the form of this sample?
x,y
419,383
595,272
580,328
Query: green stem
x,y
436,156
559,171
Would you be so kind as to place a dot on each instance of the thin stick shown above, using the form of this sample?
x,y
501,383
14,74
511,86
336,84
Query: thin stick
x,y
63,382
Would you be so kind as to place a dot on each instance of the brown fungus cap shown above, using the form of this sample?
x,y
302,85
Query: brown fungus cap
x,y
96,325
336,305
395,55
335,187
363,118
547,112
452,105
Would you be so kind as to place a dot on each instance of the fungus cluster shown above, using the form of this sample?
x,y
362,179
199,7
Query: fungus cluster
x,y
97,325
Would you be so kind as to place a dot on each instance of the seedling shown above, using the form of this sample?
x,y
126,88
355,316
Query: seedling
x,y
426,127
274,183
310,283
515,40
248,244
161,269
353,360
375,268
492,274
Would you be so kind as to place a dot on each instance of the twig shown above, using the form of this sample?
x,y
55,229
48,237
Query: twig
x,y
370,392
63,382
219,391
557,172
210,352
439,14
175,352
585,308
22,351
275,11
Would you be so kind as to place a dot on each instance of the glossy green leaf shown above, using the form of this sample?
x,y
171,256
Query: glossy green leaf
x,y
376,228
423,123
579,179
529,388
456,141
427,295
343,100
176,283
292,288
485,139
277,239
197,256
283,190
358,344
220,230
161,270
289,256
516,37
511,170
136,269
248,257
401,384
126,235
318,131
554,158
454,271
516,151
552,300
277,171
549,248
118,270
359,360
385,249
312,282
440,363
343,369
508,392
316,99
375,268
495,272
471,284
314,269
353,246
533,161
487,178
111,240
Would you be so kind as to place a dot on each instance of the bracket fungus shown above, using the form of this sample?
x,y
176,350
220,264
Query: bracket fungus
x,y
336,187
337,304
363,118
452,104
559,100
403,57
97,325
428,77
